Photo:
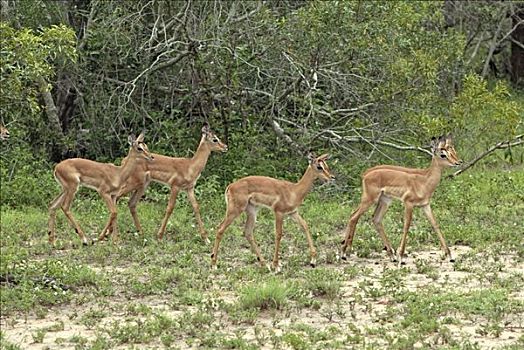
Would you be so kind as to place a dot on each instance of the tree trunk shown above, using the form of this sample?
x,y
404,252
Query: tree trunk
x,y
517,52
53,120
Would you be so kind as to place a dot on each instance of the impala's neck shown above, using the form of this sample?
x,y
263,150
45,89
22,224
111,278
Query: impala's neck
x,y
303,187
202,153
434,173
128,166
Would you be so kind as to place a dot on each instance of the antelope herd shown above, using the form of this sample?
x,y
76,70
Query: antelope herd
x,y
380,184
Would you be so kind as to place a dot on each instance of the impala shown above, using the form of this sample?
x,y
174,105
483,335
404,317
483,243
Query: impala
x,y
414,187
107,179
283,197
4,133
177,173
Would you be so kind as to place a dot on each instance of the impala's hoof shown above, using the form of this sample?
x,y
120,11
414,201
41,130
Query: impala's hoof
x,y
85,244
343,257
451,260
312,264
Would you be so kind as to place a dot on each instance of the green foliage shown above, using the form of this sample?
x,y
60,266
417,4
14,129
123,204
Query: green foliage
x,y
27,58
485,114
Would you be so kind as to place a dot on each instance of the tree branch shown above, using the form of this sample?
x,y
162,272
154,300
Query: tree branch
x,y
280,133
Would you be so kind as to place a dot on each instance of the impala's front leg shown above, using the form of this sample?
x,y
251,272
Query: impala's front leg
x,y
408,215
133,201
312,251
429,213
111,226
279,219
169,210
196,211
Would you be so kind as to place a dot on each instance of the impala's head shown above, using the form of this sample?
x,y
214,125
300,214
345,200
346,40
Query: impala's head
x,y
444,151
212,140
319,165
4,133
140,147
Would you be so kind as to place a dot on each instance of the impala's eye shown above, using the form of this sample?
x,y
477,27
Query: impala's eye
x,y
443,155
215,140
319,167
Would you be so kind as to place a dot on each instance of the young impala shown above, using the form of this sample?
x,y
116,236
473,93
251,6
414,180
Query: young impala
x,y
414,187
283,197
178,174
106,179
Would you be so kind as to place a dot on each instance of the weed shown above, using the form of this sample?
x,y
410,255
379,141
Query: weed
x,y
38,337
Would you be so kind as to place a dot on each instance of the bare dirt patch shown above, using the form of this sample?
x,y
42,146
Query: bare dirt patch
x,y
368,306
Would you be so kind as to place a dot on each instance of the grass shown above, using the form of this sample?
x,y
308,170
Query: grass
x,y
144,293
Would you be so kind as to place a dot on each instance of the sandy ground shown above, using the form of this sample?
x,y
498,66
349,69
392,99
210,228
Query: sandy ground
x,y
64,322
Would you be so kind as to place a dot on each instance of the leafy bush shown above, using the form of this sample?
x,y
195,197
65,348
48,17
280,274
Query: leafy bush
x,y
27,179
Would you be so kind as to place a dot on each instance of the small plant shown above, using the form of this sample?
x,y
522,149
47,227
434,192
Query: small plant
x,y
269,295
324,283
423,267
38,337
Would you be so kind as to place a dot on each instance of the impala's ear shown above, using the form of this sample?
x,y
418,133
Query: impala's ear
x,y
131,139
140,137
311,157
433,144
205,128
324,157
449,139
442,141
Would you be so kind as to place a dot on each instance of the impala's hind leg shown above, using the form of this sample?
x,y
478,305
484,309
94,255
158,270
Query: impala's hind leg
x,y
55,204
352,224
234,208
380,211
66,208
251,212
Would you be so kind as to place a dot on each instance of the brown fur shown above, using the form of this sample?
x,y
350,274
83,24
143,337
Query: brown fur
x,y
177,173
106,179
414,187
283,197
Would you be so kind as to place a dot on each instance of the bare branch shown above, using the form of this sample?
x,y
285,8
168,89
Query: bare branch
x,y
493,45
403,148
280,133
519,44
247,15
